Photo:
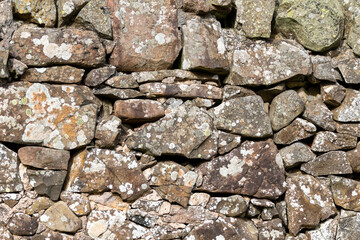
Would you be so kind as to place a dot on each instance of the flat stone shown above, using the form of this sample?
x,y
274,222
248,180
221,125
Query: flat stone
x,y
326,230
348,111
299,129
108,131
261,64
318,25
189,215
138,110
209,52
329,141
22,224
116,94
78,203
254,17
181,90
99,170
122,81
227,142
99,75
318,113
44,158
6,19
323,70
109,200
201,7
295,154
153,43
9,176
234,172
178,133
346,192
60,218
232,206
56,74
349,128
284,108
245,116
348,227
42,13
39,204
333,95
4,56
354,158
308,202
56,116
39,47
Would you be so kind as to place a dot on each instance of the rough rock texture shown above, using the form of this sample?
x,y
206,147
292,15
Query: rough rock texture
x,y
346,192
348,227
354,158
295,154
318,113
40,12
97,76
348,111
9,166
22,224
58,74
333,95
329,141
299,129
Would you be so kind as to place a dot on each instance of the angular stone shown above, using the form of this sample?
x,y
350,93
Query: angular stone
x,y
44,158
349,224
230,92
254,17
350,70
268,94
353,37
349,111
35,114
333,95
318,25
323,69
346,192
318,113
97,76
299,129
349,128
182,90
122,81
56,74
138,110
40,12
143,218
109,200
9,176
260,63
273,230
116,94
200,7
284,108
22,224
295,154
16,68
39,204
38,47
153,43
208,148
245,116
199,199
189,215
329,141
6,19
227,142
98,170
67,10
354,158
178,133
4,56
10,199
234,172
203,102
308,202
232,206
204,47
334,162
107,132
60,218
5,234
326,231
78,203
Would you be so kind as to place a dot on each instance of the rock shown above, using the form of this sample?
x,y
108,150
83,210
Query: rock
x,y
48,234
6,19
346,192
261,64
348,227
308,202
108,131
16,68
348,110
329,141
153,43
189,215
268,94
333,95
234,172
96,16
109,200
97,76
138,110
116,94
227,142
299,129
39,204
67,10
334,162
34,114
323,69
78,203
42,13
245,116
203,102
254,17
318,26
9,176
350,70
318,113
199,199
60,218
208,149
10,199
284,108
47,182
354,158
22,224
353,37
142,218
348,128
295,154
98,170
178,133
232,206
44,158
122,81
273,229
230,92
39,47
5,234
201,7
6,213
326,231
56,74
204,47
4,56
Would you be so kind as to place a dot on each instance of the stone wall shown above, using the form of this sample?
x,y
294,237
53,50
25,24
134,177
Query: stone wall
x,y
179,119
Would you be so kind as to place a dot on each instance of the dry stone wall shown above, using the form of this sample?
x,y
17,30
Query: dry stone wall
x,y
179,119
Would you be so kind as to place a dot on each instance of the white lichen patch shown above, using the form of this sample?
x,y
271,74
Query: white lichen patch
x,y
51,50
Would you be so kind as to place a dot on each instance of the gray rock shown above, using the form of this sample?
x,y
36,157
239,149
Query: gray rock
x,y
6,19
67,10
4,56
227,142
318,113
97,76
329,141
9,175
348,111
323,69
113,93
232,206
349,224
299,129
295,154
325,231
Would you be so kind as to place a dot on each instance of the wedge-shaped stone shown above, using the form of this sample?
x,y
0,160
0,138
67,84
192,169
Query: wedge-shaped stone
x,y
349,110
114,93
346,192
67,10
57,74
325,231
329,141
323,69
299,129
350,70
227,142
9,176
318,113
99,75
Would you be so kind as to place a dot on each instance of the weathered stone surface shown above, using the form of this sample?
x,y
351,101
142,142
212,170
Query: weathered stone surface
x,y
348,111
67,9
333,95
114,93
107,132
318,25
98,170
348,227
39,204
346,192
48,234
199,199
232,206
284,108
318,113
9,175
61,117
146,35
208,148
78,203
295,154
323,69
4,56
350,70
56,74
204,46
326,231
227,142
254,17
260,63
110,200
142,218
299,129
245,116
268,94
349,128
122,81
199,7
334,162
230,92
329,141
16,68
234,172
178,133
273,229
60,218
22,224
6,19
97,76
181,90
353,37
44,158
354,158
40,12
138,110
38,47
308,202
5,234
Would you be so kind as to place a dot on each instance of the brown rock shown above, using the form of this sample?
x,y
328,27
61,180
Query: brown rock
x,y
189,215
57,74
116,94
299,129
348,227
354,158
9,175
232,206
318,113
295,154
235,92
208,148
4,56
273,229
67,10
349,128
22,224
199,7
78,203
348,110
40,12
227,142
97,76
39,204
5,234
108,131
122,81
268,94
346,192
6,19
333,95
329,141
16,68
